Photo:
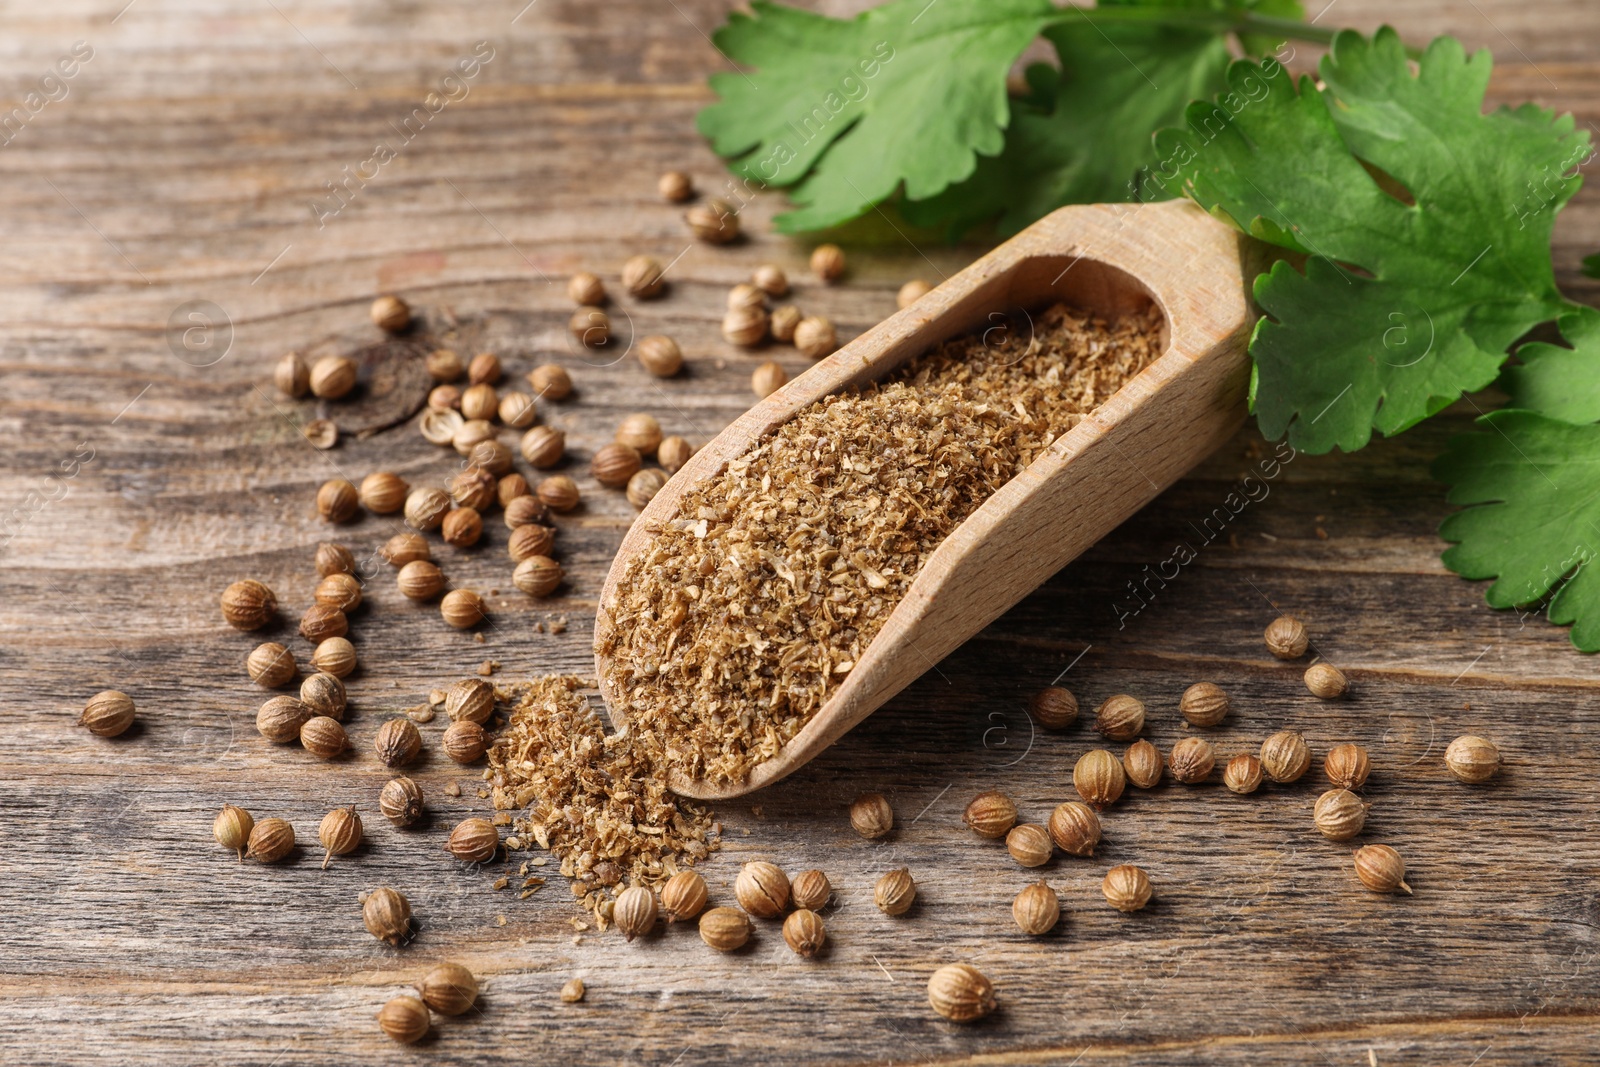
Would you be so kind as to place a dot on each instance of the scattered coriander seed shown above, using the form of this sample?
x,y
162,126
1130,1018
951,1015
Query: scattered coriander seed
x,y
463,609
1381,869
544,446
320,623
1326,681
232,828
270,665
586,290
420,580
1286,637
762,889
484,369
810,890
1192,760
675,187
337,501
895,892
444,398
744,326
340,833
404,1019
1339,814
323,737
558,492
1036,909
643,487
815,336
280,719
1120,718
426,508
1075,828
911,292
1142,764
465,742
640,432
248,605
990,814
642,277
1285,756
518,410
531,539
635,912
270,840
334,558
443,365
768,379
1204,704
1099,779
332,377
871,816
390,313
1127,888
383,492
292,376
746,295
1054,707
449,989
1029,844
1472,759
660,355
462,527
481,401
512,487
401,801
1243,774
474,840
550,382
783,322
725,929
960,993
715,221
827,262
387,915
770,279
1347,766
590,326
440,427
321,434
673,453
803,932
471,434
405,548
339,591
572,992
397,742
614,464
683,896
493,458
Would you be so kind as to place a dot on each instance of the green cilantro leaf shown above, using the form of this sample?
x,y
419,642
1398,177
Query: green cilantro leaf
x,y
1563,383
1591,265
1420,275
1536,527
907,93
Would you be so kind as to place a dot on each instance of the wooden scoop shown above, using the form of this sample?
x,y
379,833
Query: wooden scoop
x,y
1107,259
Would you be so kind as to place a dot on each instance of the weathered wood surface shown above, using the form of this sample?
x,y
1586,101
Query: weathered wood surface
x,y
180,167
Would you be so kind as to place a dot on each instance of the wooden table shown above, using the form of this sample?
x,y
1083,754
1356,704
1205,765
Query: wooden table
x,y
182,166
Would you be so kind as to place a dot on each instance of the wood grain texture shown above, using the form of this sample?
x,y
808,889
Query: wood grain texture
x,y
181,167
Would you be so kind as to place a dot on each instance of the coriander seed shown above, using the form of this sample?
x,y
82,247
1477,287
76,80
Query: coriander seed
x,y
481,401
531,540
320,434
675,187
635,912
745,326
804,934
1099,779
641,432
472,433
449,989
420,580
1285,756
444,398
270,840
1120,718
383,492
911,292
232,828
1127,888
810,890
404,1019
827,262
960,993
1204,704
462,527
1036,909
333,558
1142,764
426,508
1472,759
558,492
474,840
770,279
292,376
643,487
745,295
1381,869
586,290
323,737
443,365
660,355
280,719
1054,707
762,889
768,379
544,446
335,656
340,833
405,548
248,605
512,487
1286,637
332,377
390,313
387,915
1347,766
397,742
871,816
1029,844
642,277
1075,828
1326,681
1243,774
1192,760
990,814
484,369
572,992
683,896
340,591
401,801
590,326
815,336
494,459
320,623
895,892
1339,814
465,742
107,714
725,929
673,453
440,427
614,464
714,222
518,411
463,609
550,382
783,322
